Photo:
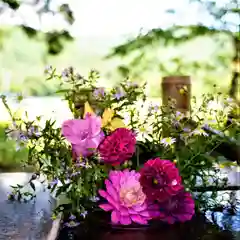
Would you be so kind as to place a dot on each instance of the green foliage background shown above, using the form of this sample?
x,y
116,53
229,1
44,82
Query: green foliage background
x,y
10,158
23,59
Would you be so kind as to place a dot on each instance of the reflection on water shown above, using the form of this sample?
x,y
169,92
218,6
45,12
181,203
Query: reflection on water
x,y
23,221
228,219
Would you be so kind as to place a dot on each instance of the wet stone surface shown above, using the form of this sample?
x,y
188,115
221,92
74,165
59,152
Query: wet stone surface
x,y
23,221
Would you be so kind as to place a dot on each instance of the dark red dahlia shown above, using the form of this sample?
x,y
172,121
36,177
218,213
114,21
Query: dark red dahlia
x,y
179,208
160,179
118,147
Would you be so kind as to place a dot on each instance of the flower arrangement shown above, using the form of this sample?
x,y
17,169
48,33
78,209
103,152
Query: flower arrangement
x,y
138,169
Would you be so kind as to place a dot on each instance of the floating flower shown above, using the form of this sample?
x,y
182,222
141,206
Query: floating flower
x,y
118,147
126,199
84,134
160,179
179,208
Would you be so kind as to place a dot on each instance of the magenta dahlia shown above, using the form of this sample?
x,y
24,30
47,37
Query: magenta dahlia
x,y
118,147
125,199
179,208
160,179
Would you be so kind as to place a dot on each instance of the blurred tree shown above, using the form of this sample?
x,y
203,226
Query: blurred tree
x,y
55,38
226,20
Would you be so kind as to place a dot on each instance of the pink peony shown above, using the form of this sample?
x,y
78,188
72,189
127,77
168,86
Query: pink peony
x,y
84,134
118,147
160,179
126,199
179,208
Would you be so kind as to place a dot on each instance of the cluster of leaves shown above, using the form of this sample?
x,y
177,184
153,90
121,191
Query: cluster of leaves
x,y
54,39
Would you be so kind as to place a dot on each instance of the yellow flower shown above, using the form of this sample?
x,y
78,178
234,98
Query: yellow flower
x,y
183,90
108,120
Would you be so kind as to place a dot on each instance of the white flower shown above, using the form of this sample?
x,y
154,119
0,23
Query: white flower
x,y
199,132
168,141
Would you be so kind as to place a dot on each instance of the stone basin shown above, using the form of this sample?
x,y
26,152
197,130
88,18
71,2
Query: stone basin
x,y
24,221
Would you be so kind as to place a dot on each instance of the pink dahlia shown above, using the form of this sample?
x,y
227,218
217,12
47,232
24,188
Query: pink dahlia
x,y
126,199
118,147
160,179
84,134
179,208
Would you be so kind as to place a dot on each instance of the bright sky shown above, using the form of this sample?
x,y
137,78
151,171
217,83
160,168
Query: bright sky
x,y
128,16
117,17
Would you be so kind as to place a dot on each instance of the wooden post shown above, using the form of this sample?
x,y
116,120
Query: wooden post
x,y
178,88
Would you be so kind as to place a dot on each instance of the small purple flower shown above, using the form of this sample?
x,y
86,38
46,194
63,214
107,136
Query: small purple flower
x,y
94,199
119,94
132,84
219,133
23,137
179,115
53,182
176,123
75,174
33,131
82,164
153,108
99,92
187,130
84,214
65,73
230,100
72,217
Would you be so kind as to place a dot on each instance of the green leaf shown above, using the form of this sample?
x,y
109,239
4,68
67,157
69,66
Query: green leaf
x,y
63,90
